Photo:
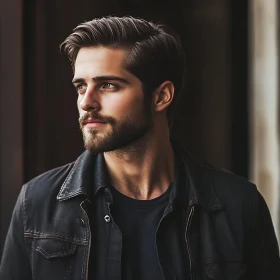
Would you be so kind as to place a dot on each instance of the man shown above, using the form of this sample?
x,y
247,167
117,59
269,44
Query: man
x,y
134,205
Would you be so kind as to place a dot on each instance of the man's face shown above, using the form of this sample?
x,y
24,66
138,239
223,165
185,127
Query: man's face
x,y
111,103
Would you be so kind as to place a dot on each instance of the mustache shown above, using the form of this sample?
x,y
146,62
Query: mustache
x,y
95,116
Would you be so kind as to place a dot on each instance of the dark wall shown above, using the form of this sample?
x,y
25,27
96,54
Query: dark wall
x,y
11,123
239,35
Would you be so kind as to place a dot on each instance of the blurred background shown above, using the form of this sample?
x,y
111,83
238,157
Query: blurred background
x,y
229,116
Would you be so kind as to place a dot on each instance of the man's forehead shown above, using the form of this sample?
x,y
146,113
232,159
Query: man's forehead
x,y
102,62
100,54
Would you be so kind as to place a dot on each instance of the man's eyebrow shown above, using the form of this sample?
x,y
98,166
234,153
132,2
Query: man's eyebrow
x,y
78,80
101,79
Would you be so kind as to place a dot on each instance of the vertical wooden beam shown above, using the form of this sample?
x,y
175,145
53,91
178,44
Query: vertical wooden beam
x,y
264,92
11,117
205,122
239,87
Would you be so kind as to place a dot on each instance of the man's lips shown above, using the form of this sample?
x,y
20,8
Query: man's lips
x,y
93,123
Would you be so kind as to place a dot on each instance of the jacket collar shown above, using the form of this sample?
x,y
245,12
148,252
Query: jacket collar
x,y
192,179
86,177
199,179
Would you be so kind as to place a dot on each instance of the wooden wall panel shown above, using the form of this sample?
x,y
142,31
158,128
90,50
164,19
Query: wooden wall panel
x,y
11,114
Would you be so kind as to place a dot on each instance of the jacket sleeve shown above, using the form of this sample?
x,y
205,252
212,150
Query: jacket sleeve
x,y
262,251
15,263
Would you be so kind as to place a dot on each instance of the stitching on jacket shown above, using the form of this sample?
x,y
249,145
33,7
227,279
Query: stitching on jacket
x,y
23,207
68,271
73,194
67,180
54,236
85,261
24,219
56,254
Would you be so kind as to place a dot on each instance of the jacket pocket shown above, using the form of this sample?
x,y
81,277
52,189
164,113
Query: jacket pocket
x,y
53,259
226,271
51,248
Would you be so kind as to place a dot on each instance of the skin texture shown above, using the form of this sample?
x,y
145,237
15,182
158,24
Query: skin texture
x,y
133,134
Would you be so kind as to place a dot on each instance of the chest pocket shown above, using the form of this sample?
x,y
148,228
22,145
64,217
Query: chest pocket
x,y
51,248
53,259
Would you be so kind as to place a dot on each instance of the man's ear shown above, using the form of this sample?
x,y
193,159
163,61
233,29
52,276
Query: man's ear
x,y
163,96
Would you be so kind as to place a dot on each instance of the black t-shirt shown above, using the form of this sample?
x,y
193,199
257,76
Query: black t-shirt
x,y
138,221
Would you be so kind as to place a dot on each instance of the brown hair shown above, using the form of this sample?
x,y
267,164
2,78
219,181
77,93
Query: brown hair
x,y
155,53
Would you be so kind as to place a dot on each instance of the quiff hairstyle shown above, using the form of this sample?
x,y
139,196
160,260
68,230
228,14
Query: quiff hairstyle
x,y
155,53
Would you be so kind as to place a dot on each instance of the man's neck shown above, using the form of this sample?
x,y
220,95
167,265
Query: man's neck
x,y
143,170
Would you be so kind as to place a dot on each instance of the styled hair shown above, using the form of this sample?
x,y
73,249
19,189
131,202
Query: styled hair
x,y
154,51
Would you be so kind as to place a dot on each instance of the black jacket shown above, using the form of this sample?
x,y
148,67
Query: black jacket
x,y
228,230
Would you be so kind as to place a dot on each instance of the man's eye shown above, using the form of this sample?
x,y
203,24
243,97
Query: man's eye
x,y
109,86
80,88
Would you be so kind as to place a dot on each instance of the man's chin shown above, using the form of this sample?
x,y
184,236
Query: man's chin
x,y
96,144
100,142
97,147
89,132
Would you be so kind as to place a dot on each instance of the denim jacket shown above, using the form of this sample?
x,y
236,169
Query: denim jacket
x,y
228,229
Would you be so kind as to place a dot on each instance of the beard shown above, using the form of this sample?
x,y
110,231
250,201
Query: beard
x,y
122,133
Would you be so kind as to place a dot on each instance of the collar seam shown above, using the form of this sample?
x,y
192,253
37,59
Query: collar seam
x,y
66,182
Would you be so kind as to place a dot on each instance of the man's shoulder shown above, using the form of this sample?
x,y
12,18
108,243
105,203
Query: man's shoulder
x,y
230,187
220,178
226,185
47,183
223,177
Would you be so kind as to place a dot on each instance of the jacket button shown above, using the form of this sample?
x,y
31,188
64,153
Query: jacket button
x,y
107,219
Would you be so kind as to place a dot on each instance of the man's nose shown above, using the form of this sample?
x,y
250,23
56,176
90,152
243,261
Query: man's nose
x,y
89,101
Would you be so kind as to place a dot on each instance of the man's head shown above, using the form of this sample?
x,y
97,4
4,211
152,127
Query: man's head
x,y
125,70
